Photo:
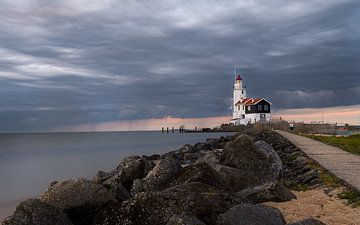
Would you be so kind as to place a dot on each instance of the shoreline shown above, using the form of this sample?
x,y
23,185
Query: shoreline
x,y
142,180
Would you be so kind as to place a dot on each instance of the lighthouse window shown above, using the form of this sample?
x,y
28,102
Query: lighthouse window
x,y
242,92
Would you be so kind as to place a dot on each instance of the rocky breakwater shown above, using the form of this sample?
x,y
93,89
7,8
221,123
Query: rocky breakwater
x,y
219,182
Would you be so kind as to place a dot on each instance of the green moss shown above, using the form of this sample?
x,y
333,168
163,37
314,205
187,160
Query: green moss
x,y
351,197
298,187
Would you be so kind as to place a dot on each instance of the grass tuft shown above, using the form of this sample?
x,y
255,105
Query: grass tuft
x,y
351,197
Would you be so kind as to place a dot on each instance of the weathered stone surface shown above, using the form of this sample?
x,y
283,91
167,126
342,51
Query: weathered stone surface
x,y
35,212
201,173
246,214
159,176
116,188
184,219
203,201
309,221
101,176
132,168
187,149
273,158
79,198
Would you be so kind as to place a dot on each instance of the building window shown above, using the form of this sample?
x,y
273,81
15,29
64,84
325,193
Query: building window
x,y
259,107
266,107
249,107
242,92
238,107
243,116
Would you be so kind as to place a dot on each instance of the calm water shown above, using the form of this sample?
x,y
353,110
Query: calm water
x,y
29,162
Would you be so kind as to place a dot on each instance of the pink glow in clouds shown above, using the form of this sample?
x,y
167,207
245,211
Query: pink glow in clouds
x,y
148,124
343,114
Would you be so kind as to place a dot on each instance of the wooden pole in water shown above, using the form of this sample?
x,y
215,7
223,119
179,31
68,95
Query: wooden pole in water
x,y
172,129
167,129
162,130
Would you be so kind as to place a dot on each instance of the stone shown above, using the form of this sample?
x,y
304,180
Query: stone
x,y
157,207
79,198
184,219
163,172
309,221
101,176
35,212
187,149
132,168
246,214
116,188
201,173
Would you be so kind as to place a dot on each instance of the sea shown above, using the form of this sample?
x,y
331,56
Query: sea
x,y
29,162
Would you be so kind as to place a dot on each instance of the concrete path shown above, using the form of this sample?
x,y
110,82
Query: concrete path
x,y
344,165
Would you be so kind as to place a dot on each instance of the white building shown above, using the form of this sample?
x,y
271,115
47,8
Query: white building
x,y
248,110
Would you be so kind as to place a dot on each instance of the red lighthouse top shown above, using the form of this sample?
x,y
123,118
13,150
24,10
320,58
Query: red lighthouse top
x,y
238,77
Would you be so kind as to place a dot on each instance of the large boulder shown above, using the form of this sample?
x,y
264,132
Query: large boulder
x,y
35,212
132,168
259,167
80,199
246,214
184,219
157,207
156,180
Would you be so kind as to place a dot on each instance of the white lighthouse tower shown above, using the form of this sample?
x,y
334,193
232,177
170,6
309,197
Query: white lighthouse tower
x,y
239,95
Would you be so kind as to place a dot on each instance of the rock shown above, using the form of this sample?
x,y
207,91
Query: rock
x,y
159,176
279,193
157,207
79,198
132,168
187,149
35,212
211,158
259,169
116,188
309,221
101,176
273,157
246,214
201,173
184,219
190,158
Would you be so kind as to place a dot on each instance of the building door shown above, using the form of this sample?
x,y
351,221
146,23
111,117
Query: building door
x,y
262,117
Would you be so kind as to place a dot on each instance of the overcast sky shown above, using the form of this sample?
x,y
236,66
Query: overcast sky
x,y
83,61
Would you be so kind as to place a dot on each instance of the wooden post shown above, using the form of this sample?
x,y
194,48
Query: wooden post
x,y
162,130
167,129
172,130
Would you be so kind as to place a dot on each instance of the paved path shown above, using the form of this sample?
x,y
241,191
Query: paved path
x,y
344,165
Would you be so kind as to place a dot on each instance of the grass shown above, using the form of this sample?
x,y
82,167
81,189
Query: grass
x,y
351,197
350,143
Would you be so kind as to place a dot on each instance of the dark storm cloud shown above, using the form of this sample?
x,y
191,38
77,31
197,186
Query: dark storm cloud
x,y
69,62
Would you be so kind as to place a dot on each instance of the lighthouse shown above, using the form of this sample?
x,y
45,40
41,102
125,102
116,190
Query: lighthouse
x,y
239,93
248,110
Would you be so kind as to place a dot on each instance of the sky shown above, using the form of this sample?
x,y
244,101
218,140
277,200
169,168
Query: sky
x,y
109,64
